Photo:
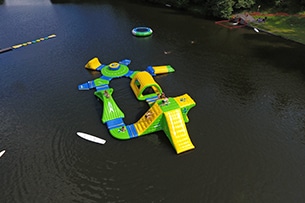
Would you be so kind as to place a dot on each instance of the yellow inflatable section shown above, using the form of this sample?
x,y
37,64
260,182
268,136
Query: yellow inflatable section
x,y
178,133
145,122
143,81
160,69
93,64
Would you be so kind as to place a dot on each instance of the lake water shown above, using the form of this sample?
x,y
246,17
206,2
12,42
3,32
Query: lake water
x,y
248,125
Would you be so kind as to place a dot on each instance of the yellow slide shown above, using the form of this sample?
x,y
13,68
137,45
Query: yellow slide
x,y
147,119
178,133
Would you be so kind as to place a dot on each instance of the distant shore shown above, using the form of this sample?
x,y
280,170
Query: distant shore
x,y
284,25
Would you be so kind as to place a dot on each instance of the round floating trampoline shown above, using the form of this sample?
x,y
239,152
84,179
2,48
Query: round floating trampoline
x,y
142,31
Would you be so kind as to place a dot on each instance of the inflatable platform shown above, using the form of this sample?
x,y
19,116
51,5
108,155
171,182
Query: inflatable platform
x,y
167,114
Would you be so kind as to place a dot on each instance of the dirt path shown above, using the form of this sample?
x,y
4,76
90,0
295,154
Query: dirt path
x,y
275,14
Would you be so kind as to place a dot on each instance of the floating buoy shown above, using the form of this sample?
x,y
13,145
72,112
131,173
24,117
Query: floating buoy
x,y
142,31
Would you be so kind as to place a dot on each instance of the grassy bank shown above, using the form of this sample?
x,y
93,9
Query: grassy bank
x,y
284,25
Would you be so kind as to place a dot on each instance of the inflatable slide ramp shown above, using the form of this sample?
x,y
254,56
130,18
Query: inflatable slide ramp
x,y
177,132
147,121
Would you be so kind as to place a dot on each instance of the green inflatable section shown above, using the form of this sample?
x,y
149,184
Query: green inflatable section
x,y
170,69
158,122
111,110
119,133
118,71
100,82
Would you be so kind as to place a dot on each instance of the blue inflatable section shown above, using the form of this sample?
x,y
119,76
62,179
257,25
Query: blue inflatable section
x,y
152,99
100,67
102,87
125,62
115,123
150,70
132,131
106,78
130,72
86,86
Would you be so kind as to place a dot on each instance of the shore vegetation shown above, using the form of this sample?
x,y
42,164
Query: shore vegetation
x,y
283,18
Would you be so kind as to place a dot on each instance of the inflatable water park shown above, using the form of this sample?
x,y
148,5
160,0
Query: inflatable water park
x,y
167,114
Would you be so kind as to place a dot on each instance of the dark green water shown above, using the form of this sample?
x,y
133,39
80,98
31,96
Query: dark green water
x,y
248,126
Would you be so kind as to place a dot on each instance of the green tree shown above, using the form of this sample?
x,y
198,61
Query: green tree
x,y
221,8
244,4
182,3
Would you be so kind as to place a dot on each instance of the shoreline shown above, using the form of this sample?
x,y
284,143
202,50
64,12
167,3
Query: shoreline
x,y
279,14
273,34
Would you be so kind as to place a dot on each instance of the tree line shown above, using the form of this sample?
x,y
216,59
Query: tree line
x,y
225,8
219,8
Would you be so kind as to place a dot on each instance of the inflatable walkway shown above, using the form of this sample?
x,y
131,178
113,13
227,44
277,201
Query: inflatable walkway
x,y
111,109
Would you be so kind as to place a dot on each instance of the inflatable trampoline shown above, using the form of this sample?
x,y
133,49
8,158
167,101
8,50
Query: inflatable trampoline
x,y
142,31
